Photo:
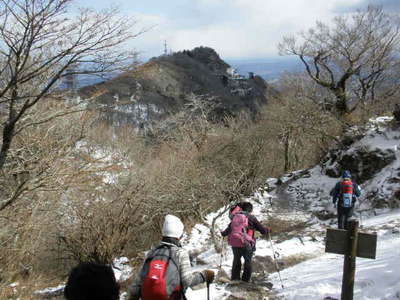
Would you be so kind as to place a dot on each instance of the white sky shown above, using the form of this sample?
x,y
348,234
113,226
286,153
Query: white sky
x,y
234,28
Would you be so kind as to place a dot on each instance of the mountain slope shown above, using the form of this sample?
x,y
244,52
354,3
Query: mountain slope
x,y
164,84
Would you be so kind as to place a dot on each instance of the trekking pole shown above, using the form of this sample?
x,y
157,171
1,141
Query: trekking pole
x,y
276,263
222,253
208,291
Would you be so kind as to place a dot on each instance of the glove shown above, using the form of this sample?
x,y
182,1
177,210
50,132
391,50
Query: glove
x,y
208,276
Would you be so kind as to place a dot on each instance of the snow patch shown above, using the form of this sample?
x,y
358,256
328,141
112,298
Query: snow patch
x,y
121,269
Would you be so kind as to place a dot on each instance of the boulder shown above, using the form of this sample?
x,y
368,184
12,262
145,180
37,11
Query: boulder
x,y
362,162
324,214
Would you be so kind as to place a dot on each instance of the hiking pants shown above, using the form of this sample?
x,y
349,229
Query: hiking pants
x,y
247,254
344,213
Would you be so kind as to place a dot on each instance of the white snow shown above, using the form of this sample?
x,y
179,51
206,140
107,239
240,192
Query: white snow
x,y
121,268
375,279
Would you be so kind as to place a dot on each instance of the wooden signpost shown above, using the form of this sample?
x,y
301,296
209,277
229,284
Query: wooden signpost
x,y
351,244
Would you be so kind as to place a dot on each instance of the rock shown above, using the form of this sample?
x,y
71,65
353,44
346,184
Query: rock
x,y
50,293
365,163
269,285
394,180
332,172
324,214
362,162
382,200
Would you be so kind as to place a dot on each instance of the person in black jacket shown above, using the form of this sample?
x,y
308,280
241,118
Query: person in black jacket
x,y
339,194
91,281
245,252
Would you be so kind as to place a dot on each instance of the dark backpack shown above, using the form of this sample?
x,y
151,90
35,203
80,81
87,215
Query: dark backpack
x,y
162,277
239,236
346,192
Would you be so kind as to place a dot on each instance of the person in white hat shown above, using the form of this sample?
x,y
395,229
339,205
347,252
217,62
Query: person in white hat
x,y
166,272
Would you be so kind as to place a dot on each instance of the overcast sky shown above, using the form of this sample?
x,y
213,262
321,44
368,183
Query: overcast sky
x,y
234,28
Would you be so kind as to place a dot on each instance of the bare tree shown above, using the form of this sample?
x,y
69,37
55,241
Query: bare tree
x,y
41,42
352,57
193,122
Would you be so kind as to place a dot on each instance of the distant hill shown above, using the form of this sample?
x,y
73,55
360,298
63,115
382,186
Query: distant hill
x,y
268,68
161,87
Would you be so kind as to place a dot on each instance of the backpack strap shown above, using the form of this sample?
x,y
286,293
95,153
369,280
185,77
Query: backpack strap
x,y
170,258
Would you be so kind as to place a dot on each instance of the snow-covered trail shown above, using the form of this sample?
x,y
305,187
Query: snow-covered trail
x,y
375,279
322,276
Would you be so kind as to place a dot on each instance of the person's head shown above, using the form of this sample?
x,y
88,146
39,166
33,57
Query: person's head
x,y
173,227
90,281
247,207
346,174
240,204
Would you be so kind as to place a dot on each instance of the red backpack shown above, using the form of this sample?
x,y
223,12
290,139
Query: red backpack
x,y
161,276
346,191
239,235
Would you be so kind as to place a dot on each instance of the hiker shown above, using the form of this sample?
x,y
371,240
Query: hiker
x,y
166,271
240,232
344,196
91,281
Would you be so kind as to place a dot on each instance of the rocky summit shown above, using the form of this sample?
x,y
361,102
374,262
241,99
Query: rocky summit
x,y
163,86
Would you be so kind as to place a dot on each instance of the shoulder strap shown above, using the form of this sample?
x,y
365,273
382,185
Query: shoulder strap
x,y
177,267
154,254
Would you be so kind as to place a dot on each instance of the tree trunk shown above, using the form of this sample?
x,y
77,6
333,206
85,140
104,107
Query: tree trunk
x,y
8,132
287,151
341,102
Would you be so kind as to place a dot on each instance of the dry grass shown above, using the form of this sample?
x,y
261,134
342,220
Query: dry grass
x,y
292,260
283,228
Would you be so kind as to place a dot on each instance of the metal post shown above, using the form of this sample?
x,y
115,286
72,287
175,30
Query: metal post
x,y
349,267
